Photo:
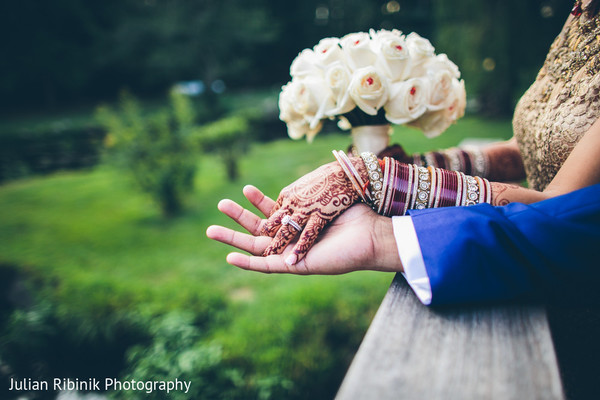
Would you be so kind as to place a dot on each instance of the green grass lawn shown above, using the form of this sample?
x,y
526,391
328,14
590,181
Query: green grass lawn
x,y
90,243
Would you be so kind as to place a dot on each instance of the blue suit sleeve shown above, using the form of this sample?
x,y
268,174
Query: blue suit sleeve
x,y
487,253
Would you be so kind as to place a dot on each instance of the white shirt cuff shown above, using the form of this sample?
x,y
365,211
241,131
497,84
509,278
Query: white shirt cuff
x,y
411,257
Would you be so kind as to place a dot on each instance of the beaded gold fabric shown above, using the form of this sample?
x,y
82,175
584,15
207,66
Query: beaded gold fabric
x,y
562,103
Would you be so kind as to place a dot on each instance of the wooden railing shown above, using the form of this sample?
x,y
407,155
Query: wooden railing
x,y
491,352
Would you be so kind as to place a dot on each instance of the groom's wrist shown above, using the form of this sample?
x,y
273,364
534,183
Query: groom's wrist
x,y
386,251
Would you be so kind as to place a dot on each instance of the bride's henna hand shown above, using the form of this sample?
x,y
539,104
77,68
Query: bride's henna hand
x,y
312,202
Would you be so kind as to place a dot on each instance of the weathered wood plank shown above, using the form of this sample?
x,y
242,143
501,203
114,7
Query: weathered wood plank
x,y
414,352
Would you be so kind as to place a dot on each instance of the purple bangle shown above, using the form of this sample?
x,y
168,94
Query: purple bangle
x,y
466,162
449,189
395,187
400,189
440,160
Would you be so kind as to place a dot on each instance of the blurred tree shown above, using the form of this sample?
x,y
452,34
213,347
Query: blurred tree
x,y
68,50
72,51
226,137
158,42
157,149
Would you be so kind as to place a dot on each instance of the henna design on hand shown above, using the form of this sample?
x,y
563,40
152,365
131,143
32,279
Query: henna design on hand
x,y
309,235
312,201
500,191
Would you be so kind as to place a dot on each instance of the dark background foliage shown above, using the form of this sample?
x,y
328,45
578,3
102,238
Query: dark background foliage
x,y
67,52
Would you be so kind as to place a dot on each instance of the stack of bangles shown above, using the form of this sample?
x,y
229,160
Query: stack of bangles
x,y
393,187
471,160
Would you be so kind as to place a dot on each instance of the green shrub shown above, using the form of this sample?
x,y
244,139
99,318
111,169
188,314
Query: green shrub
x,y
228,138
157,150
44,342
177,351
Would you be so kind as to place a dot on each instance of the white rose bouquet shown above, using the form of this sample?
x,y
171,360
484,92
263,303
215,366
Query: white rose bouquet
x,y
374,78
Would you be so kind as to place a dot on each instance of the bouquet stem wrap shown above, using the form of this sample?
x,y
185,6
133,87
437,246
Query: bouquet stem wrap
x,y
371,138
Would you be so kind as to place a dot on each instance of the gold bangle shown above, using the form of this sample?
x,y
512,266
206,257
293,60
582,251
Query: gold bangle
x,y
433,177
472,191
423,189
375,177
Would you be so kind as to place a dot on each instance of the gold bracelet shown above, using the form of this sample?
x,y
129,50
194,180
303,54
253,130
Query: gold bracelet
x,y
472,191
423,189
375,177
433,177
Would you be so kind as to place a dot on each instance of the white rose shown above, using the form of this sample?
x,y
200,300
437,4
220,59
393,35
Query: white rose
x,y
419,46
384,33
305,64
442,90
456,109
408,100
435,123
287,110
338,77
313,99
420,50
394,57
328,51
296,107
298,129
297,123
369,90
441,62
432,123
357,49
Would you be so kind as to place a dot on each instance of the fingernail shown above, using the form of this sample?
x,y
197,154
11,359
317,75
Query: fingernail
x,y
291,259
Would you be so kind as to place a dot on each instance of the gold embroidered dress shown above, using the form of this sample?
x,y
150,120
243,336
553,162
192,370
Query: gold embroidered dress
x,y
562,103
